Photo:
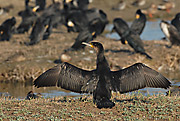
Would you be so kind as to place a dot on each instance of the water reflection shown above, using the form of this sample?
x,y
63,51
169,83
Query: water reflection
x,y
152,31
20,90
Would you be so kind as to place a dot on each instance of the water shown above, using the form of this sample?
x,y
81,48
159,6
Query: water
x,y
152,31
20,90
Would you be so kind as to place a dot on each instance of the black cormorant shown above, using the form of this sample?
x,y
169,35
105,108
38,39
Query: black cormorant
x,y
81,19
102,80
139,23
176,22
41,4
94,28
130,37
170,32
38,30
28,19
7,29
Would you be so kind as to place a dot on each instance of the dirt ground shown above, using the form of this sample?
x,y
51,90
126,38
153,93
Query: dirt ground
x,y
19,62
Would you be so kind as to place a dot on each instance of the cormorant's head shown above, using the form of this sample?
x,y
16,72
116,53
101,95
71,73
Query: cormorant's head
x,y
138,13
96,45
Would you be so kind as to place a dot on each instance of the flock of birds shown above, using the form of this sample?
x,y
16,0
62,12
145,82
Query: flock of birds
x,y
90,23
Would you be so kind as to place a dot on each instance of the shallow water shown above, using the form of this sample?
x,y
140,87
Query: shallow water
x,y
152,31
20,90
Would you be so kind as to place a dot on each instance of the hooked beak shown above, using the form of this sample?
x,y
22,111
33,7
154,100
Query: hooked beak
x,y
88,44
35,8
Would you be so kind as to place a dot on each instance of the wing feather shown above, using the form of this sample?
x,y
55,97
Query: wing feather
x,y
138,76
65,76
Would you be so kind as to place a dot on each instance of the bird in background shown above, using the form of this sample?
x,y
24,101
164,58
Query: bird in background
x,y
171,33
102,81
7,29
176,22
130,37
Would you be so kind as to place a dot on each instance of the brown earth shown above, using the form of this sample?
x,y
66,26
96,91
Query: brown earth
x,y
23,63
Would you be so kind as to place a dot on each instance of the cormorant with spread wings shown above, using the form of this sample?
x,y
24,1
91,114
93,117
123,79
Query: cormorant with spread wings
x,y
102,80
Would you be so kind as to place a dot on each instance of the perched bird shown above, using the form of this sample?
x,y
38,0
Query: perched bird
x,y
136,27
176,22
129,36
101,81
77,20
83,36
121,5
83,4
41,4
170,32
139,23
7,29
139,3
38,30
28,19
94,28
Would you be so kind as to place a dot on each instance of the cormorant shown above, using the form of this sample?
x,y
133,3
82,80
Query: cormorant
x,y
94,28
170,32
28,19
101,81
41,4
39,30
139,23
130,37
176,22
7,29
77,20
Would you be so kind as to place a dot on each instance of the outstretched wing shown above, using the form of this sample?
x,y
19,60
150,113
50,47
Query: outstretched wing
x,y
138,76
65,76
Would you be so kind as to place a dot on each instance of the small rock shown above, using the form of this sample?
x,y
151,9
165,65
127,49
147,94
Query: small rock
x,y
65,58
